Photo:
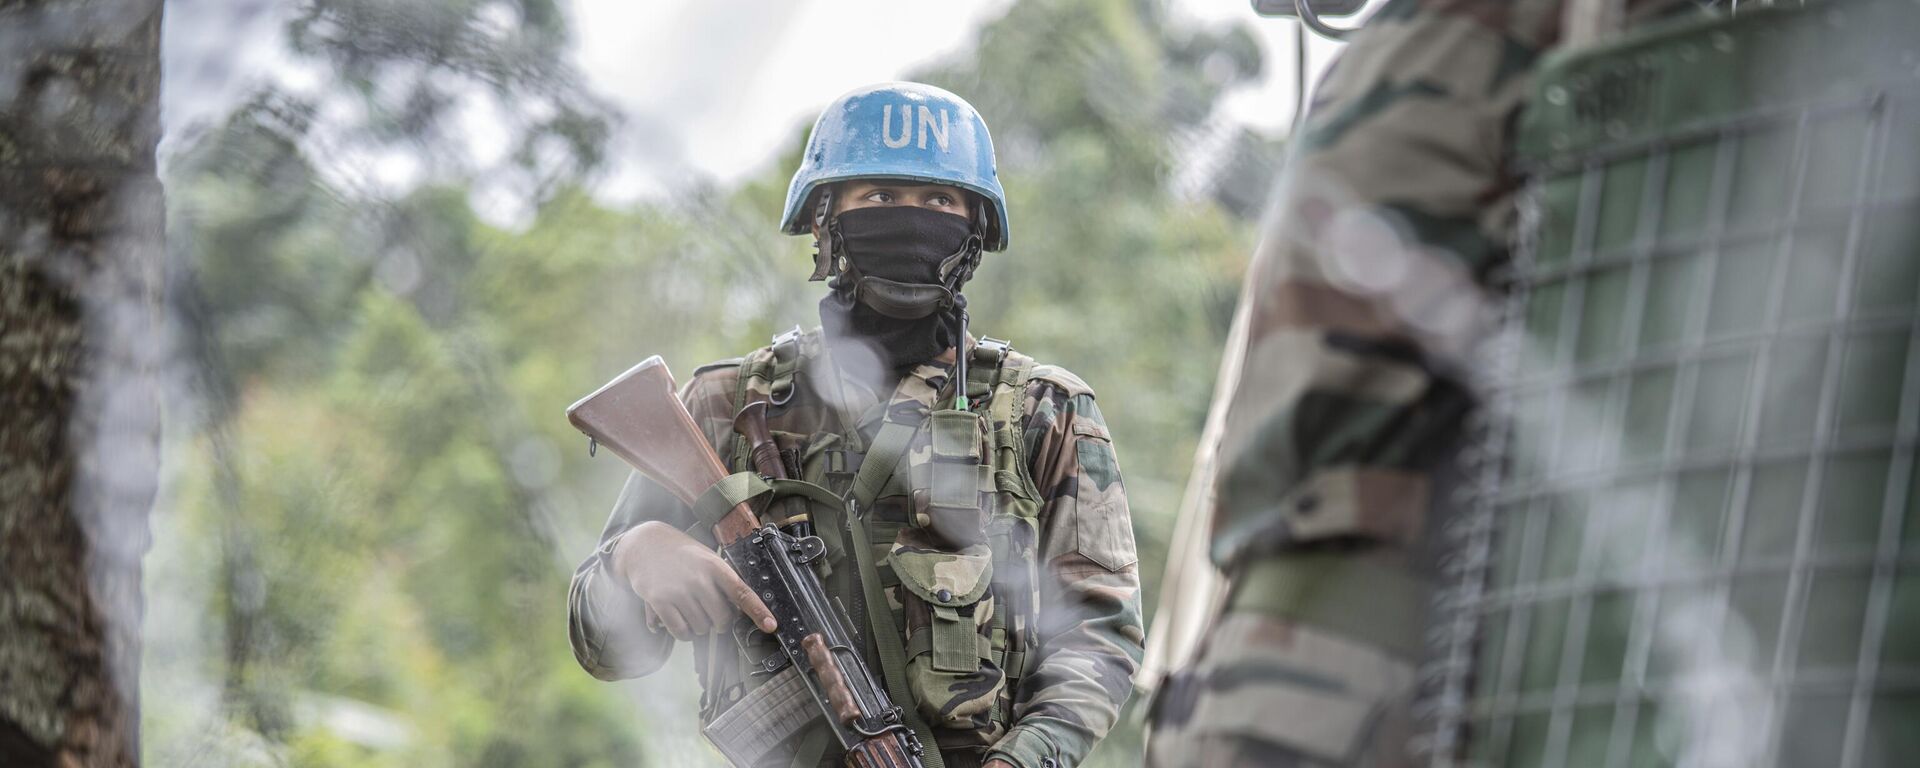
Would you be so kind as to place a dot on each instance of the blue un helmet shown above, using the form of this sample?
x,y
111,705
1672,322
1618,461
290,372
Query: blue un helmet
x,y
904,131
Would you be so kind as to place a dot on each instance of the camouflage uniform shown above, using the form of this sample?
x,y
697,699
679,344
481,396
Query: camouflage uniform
x,y
1068,668
1367,297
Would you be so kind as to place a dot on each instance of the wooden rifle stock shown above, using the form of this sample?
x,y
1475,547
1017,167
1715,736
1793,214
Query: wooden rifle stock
x,y
639,418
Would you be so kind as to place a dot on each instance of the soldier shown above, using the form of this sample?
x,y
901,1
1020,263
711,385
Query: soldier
x,y
1006,537
1337,438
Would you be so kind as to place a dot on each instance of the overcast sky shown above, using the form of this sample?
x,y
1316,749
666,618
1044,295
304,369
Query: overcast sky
x,y
726,81
710,88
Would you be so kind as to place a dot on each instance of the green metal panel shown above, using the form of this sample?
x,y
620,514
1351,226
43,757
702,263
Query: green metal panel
x,y
1697,537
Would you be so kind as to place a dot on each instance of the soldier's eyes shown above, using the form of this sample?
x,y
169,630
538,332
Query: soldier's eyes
x,y
879,197
941,200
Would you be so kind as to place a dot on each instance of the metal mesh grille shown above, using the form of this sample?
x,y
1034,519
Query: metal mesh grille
x,y
1703,544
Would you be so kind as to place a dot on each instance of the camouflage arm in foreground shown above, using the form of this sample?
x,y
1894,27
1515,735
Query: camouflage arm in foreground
x,y
1369,289
605,621
1367,296
1090,633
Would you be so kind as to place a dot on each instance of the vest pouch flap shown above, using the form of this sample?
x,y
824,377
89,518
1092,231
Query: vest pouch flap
x,y
956,436
951,585
944,579
945,603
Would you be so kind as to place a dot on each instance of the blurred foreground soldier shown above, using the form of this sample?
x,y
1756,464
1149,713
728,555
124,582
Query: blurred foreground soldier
x,y
1001,533
1338,436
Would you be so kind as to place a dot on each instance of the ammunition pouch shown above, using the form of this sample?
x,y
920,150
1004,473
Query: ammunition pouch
x,y
944,597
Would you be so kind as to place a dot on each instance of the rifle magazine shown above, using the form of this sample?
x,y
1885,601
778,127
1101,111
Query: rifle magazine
x,y
764,719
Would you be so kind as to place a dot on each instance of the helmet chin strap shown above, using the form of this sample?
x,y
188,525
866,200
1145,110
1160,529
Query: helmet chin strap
x,y
902,300
825,254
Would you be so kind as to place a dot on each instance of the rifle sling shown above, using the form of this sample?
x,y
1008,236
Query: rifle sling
x,y
889,447
812,747
729,492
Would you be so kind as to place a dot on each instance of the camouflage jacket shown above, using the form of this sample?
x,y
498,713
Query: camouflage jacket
x,y
1089,637
1375,282
1371,288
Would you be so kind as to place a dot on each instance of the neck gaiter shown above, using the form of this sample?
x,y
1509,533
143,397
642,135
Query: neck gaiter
x,y
899,295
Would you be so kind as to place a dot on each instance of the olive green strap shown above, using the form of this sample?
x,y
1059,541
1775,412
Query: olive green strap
x,y
720,499
812,747
1366,597
783,488
822,499
984,370
1007,416
786,363
888,448
923,642
883,457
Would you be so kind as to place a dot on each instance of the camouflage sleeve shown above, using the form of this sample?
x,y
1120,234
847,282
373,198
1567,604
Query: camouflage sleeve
x,y
1372,283
605,626
1091,638
1370,286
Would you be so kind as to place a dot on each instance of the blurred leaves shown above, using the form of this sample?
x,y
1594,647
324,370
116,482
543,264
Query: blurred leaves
x,y
380,506
417,72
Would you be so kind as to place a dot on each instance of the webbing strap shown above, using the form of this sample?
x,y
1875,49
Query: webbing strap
x,y
1006,416
812,747
1370,599
888,448
922,642
823,499
1008,407
883,457
726,494
783,488
786,362
984,371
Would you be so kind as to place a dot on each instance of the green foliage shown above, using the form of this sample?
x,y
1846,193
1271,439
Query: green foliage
x,y
408,65
379,512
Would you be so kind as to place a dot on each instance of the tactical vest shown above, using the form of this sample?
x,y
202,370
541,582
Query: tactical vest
x,y
952,533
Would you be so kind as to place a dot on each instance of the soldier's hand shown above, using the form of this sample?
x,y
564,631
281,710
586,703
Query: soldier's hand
x,y
688,589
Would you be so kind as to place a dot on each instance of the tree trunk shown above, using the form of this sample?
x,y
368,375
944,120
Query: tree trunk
x,y
80,344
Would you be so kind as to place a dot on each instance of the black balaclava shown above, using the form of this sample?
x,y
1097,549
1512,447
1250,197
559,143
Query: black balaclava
x,y
898,292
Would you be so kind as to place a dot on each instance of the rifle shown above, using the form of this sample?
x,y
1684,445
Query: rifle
x,y
638,417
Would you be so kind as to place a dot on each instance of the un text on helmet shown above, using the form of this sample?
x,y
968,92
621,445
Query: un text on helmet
x,y
926,126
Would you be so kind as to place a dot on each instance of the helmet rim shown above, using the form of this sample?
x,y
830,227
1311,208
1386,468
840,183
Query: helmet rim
x,y
840,149
800,222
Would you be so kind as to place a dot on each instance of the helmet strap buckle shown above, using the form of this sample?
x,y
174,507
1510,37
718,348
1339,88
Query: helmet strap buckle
x,y
826,247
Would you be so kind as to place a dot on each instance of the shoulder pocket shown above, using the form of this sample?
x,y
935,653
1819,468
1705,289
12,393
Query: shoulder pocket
x,y
1102,525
